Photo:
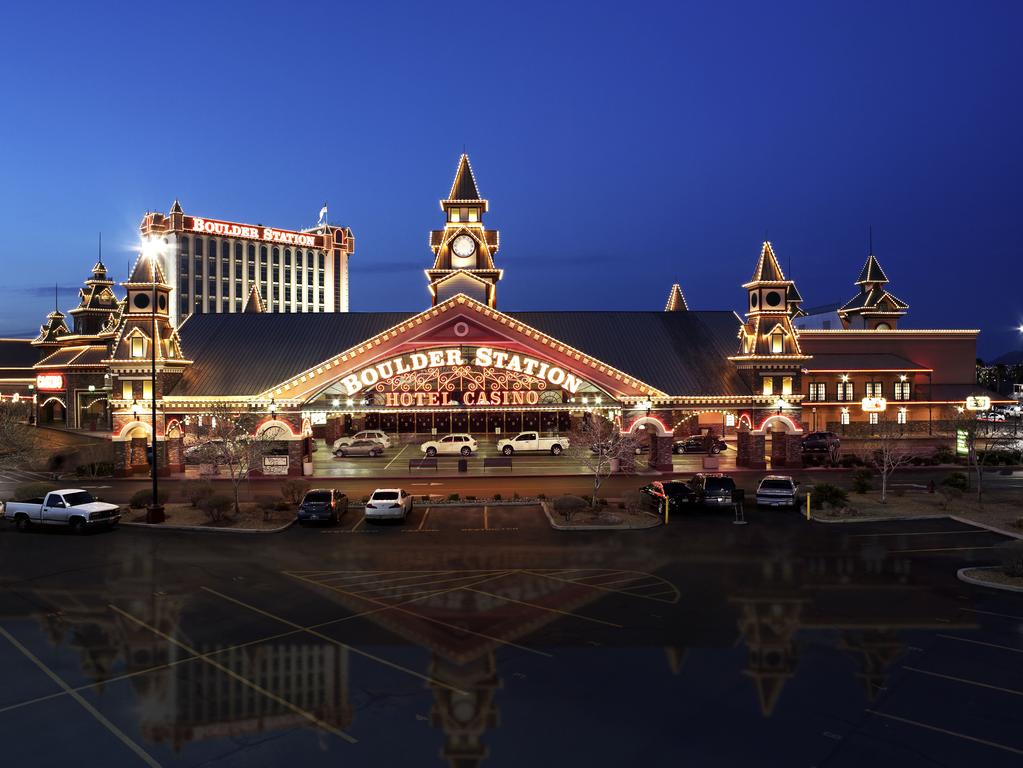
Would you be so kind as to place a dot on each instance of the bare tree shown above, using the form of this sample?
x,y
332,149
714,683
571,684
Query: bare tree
x,y
19,441
227,440
888,450
981,439
603,446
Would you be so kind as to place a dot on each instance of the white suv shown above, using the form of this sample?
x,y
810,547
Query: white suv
x,y
370,434
462,443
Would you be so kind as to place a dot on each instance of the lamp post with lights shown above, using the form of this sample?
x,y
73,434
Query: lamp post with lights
x,y
154,513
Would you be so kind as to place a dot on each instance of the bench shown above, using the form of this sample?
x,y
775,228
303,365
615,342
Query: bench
x,y
497,461
422,464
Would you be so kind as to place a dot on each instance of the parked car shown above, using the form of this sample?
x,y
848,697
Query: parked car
x,y
699,444
777,491
206,452
366,434
360,448
72,507
991,416
1013,411
820,441
450,444
531,441
676,493
322,505
388,504
712,489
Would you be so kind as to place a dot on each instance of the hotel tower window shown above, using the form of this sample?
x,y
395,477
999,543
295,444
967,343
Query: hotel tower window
x,y
902,390
818,391
874,389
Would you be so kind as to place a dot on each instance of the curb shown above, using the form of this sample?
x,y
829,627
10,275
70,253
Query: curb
x,y
963,575
562,527
957,518
206,528
986,526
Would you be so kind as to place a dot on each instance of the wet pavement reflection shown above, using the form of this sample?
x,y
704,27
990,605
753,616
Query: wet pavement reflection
x,y
777,643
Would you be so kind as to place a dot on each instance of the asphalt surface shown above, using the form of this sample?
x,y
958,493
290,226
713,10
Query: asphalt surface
x,y
478,634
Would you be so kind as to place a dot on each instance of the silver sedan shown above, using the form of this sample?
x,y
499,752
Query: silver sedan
x,y
360,448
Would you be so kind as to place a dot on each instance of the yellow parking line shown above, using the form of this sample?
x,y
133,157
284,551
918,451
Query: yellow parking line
x,y
977,683
914,533
543,607
981,642
935,728
361,521
602,589
331,640
485,525
241,679
399,453
143,755
406,577
423,521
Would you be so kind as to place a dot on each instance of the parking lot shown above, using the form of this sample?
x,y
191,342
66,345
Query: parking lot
x,y
426,518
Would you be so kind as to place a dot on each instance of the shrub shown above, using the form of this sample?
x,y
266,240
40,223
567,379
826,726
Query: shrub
x,y
144,498
635,501
267,505
515,496
944,455
294,490
216,506
95,469
470,498
195,491
1012,558
541,496
566,506
454,497
956,480
26,491
826,494
862,480
497,497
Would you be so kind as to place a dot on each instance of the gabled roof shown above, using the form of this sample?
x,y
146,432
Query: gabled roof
x,y
872,299
464,186
254,304
872,272
146,270
676,301
767,269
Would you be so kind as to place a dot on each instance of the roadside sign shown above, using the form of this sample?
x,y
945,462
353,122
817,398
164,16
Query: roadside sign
x,y
961,444
978,403
275,465
874,404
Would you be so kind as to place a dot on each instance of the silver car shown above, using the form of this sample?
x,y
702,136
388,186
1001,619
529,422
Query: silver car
x,y
777,491
360,448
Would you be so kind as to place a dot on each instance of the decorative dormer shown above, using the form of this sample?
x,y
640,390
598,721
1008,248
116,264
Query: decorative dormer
x,y
464,250
97,302
772,302
52,331
874,307
676,301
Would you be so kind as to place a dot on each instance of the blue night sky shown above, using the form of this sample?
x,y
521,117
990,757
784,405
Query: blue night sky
x,y
623,146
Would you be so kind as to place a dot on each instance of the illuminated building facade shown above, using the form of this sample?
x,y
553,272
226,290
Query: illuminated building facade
x,y
217,266
463,365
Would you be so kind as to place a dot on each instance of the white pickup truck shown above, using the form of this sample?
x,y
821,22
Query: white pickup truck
x,y
71,506
531,441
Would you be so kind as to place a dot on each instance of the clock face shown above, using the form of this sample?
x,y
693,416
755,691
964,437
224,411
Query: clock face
x,y
463,246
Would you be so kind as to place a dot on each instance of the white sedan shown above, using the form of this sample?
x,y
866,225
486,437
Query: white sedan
x,y
368,434
450,444
388,504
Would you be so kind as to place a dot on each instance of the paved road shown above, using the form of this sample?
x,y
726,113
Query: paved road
x,y
479,634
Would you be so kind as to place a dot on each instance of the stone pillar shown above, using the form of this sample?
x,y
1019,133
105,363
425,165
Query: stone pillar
x,y
175,454
660,453
742,448
794,450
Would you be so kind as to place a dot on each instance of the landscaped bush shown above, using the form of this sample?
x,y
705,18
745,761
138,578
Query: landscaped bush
x,y
497,497
216,506
956,480
95,469
567,506
195,491
944,455
294,490
26,491
454,497
862,480
849,461
144,498
826,494
1012,558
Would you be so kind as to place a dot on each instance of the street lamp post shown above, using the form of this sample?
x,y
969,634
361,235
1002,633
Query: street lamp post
x,y
154,513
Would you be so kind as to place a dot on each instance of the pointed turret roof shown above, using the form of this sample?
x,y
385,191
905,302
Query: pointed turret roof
x,y
464,186
768,270
676,301
147,271
54,327
872,272
254,304
176,207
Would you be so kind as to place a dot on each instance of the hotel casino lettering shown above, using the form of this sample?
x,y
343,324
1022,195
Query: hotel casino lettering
x,y
253,319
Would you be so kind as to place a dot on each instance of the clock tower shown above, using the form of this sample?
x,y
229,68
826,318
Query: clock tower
x,y
464,250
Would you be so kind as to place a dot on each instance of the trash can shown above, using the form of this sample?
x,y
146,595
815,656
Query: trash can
x,y
463,465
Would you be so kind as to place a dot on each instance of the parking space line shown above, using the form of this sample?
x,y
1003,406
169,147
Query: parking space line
x,y
935,728
543,607
121,735
333,641
673,591
981,642
937,549
399,453
404,577
240,678
964,680
360,522
435,620
916,533
423,521
485,525
451,576
993,613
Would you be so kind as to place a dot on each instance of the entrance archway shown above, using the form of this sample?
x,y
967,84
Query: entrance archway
x,y
784,435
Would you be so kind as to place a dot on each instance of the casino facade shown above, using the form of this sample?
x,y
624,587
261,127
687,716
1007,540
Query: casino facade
x,y
461,364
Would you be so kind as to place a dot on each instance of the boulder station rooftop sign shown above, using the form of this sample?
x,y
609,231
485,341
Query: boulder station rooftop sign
x,y
198,225
485,358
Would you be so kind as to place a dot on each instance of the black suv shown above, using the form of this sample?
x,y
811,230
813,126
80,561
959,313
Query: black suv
x,y
820,441
699,444
325,505
712,490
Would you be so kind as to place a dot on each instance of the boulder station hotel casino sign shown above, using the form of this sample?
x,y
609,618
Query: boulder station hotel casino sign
x,y
312,372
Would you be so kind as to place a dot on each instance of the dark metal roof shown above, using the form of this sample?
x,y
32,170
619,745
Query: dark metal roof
x,y
865,361
18,353
680,353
